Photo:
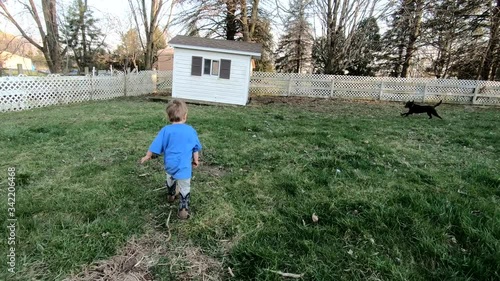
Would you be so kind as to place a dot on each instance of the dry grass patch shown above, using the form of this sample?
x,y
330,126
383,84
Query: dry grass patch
x,y
191,263
132,263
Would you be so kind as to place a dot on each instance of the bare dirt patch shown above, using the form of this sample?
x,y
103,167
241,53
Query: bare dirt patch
x,y
319,104
212,170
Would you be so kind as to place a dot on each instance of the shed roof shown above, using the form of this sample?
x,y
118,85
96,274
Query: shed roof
x,y
228,46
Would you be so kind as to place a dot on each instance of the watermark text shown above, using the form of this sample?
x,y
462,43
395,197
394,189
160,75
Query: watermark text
x,y
11,219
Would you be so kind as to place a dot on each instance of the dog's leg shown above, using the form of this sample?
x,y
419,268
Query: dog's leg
x,y
430,115
437,115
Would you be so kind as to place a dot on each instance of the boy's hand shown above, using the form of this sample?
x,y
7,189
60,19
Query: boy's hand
x,y
144,159
195,159
148,156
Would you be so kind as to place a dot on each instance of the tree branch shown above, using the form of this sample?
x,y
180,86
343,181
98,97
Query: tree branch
x,y
9,17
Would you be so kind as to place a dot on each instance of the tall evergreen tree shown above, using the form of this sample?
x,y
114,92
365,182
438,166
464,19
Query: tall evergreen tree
x,y
295,46
262,34
489,63
446,24
319,55
366,46
82,34
401,39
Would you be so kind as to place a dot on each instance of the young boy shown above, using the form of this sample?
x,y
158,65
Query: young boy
x,y
179,144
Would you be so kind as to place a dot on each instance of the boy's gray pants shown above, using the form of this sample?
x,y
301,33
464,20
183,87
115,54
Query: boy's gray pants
x,y
184,185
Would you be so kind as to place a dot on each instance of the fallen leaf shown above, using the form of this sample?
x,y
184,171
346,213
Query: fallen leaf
x,y
314,218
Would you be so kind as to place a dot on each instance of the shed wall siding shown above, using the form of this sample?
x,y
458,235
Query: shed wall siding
x,y
208,87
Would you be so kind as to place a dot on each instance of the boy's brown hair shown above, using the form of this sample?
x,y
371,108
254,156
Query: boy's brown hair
x,y
176,110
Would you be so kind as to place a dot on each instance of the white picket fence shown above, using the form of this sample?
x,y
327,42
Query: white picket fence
x,y
376,88
19,93
24,92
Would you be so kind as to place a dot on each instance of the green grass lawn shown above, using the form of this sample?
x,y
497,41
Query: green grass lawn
x,y
397,198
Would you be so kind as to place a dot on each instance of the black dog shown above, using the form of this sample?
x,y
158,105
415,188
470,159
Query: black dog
x,y
415,108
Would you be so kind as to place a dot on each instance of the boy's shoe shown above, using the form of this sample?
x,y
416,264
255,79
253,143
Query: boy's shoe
x,y
171,192
184,207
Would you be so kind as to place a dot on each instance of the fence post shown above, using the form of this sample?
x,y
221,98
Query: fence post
x,y
476,91
332,88
125,84
425,92
289,86
92,87
381,90
19,69
155,80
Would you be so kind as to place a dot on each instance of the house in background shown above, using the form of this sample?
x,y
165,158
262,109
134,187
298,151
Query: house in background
x,y
165,59
212,70
10,61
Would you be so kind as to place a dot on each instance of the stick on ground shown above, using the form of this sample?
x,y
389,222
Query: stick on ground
x,y
163,187
168,220
284,274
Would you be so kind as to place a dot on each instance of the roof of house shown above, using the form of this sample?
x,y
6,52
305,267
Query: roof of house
x,y
8,55
217,44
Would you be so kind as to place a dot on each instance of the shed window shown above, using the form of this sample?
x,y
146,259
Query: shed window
x,y
225,69
206,68
215,67
196,66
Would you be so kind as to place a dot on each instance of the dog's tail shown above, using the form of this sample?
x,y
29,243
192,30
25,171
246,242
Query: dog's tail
x,y
438,103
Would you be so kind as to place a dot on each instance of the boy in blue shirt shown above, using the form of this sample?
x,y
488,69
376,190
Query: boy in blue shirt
x,y
179,144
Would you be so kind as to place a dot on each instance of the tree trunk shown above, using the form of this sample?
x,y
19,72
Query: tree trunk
x,y
487,63
397,64
52,36
299,53
331,15
254,19
496,65
415,24
231,26
83,10
156,6
244,21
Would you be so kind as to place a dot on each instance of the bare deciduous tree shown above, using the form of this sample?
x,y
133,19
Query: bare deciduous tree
x,y
340,19
221,18
488,62
150,24
49,34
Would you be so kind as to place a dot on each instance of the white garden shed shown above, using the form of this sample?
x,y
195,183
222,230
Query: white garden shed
x,y
212,70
